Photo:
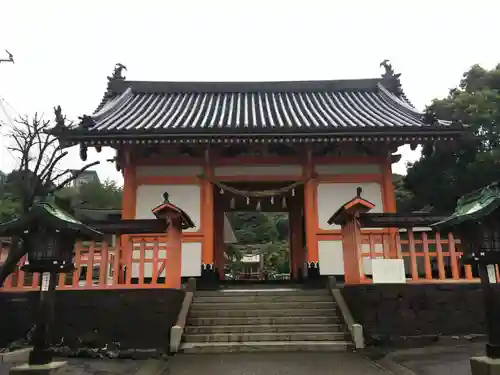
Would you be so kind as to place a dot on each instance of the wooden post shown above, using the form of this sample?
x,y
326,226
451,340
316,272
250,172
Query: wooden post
x,y
174,251
128,211
296,258
347,216
177,220
351,244
208,215
311,217
389,198
219,241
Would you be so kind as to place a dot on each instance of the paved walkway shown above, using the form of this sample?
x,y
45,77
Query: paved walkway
x,y
93,367
448,360
273,364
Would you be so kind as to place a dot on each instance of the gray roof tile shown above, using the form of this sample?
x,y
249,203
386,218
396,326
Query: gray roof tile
x,y
239,107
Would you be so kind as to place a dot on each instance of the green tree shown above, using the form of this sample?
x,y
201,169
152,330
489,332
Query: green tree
x,y
94,195
404,198
253,228
444,173
9,209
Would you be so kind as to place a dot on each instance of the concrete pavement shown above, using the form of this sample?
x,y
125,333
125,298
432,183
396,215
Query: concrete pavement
x,y
298,363
447,360
93,367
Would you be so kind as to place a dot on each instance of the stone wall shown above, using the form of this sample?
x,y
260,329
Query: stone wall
x,y
135,318
390,312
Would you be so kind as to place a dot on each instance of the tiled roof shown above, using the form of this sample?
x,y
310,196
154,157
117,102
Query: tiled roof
x,y
253,107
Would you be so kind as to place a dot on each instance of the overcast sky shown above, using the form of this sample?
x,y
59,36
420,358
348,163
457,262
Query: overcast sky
x,y
65,49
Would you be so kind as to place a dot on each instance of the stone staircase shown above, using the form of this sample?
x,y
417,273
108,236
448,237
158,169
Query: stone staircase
x,y
264,320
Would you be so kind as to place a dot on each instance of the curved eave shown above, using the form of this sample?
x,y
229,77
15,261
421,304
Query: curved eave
x,y
112,139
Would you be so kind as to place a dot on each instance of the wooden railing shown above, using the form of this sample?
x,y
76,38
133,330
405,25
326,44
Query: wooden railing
x,y
138,262
429,256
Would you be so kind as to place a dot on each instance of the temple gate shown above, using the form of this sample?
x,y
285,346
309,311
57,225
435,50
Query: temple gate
x,y
218,146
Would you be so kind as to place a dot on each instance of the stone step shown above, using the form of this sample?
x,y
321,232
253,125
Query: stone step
x,y
266,346
228,298
218,306
262,292
261,320
272,336
327,312
252,328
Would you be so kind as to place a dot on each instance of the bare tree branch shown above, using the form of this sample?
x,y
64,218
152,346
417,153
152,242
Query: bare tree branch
x,y
38,154
74,176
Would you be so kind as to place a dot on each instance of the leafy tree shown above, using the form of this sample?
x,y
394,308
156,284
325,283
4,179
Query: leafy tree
x,y
94,195
9,209
444,173
253,228
404,198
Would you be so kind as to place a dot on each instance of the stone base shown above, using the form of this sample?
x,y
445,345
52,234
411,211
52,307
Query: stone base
x,y
484,366
209,279
49,368
313,271
21,355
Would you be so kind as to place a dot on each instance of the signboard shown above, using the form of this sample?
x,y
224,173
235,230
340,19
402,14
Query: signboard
x,y
388,271
45,281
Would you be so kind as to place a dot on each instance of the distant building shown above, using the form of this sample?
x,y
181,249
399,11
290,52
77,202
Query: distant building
x,y
84,178
3,178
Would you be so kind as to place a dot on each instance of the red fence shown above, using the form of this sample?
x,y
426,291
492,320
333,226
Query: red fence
x,y
428,256
137,262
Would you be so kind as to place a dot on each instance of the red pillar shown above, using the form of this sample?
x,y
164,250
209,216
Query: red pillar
x,y
351,242
218,228
296,248
174,253
176,220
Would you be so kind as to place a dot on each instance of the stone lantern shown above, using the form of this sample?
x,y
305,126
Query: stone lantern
x,y
477,221
48,235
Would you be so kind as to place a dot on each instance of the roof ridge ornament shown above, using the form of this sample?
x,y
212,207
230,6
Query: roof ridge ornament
x,y
390,79
60,120
117,72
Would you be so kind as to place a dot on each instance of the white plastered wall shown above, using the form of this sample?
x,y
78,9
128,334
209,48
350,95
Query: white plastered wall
x,y
185,196
190,259
331,196
331,257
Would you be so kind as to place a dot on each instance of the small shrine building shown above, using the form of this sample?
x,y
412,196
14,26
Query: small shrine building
x,y
300,147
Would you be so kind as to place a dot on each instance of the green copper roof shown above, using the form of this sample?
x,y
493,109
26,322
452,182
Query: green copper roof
x,y
474,206
48,213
